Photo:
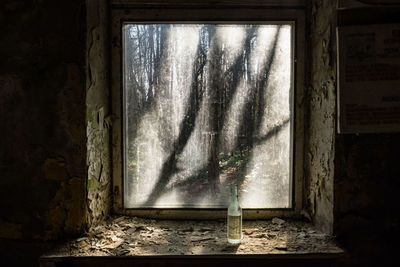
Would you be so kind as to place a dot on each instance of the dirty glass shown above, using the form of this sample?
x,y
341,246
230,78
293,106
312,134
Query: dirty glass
x,y
206,106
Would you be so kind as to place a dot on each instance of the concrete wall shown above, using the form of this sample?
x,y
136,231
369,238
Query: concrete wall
x,y
42,113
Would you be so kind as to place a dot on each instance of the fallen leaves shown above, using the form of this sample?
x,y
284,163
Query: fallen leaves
x,y
124,236
248,231
278,221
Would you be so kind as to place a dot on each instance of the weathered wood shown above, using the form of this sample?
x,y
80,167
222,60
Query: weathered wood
x,y
209,3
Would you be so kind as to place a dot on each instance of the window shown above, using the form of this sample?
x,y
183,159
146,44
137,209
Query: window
x,y
202,104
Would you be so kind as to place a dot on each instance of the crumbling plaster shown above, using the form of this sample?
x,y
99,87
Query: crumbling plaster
x,y
98,117
353,178
42,112
55,156
320,120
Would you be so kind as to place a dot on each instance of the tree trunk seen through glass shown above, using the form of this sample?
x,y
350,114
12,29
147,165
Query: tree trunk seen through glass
x,y
207,106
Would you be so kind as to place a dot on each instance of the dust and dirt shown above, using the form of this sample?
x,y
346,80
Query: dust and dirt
x,y
132,236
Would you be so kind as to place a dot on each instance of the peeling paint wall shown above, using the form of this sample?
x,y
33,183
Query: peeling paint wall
x,y
320,118
98,112
42,113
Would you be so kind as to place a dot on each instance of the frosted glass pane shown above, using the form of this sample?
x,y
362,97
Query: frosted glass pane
x,y
207,105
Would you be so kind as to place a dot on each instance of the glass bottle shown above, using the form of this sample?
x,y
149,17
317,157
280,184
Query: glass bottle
x,y
234,227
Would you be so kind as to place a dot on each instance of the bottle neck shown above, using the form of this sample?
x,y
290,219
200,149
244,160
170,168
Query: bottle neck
x,y
234,194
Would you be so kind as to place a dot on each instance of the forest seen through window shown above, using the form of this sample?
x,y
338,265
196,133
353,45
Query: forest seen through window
x,y
206,106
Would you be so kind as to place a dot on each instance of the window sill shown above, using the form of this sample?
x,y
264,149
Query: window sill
x,y
144,239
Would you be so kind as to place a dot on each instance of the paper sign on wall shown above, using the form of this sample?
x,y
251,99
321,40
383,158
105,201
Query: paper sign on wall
x,y
369,78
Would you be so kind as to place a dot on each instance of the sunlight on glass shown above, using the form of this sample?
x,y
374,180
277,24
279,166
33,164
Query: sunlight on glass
x,y
206,106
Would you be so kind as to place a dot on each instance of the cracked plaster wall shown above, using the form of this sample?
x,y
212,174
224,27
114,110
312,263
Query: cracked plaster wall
x,y
354,178
98,117
42,113
43,159
320,121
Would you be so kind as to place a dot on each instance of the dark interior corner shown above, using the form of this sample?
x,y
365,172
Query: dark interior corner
x,y
55,110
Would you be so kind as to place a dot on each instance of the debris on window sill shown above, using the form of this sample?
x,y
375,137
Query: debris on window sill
x,y
131,236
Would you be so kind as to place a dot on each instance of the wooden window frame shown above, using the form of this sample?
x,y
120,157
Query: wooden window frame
x,y
204,11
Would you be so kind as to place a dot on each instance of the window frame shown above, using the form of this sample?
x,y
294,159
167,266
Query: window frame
x,y
123,12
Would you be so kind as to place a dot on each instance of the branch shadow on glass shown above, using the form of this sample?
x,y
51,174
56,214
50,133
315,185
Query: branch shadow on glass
x,y
207,106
